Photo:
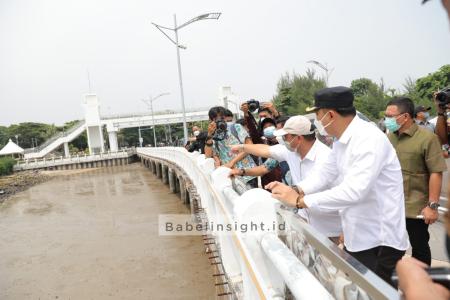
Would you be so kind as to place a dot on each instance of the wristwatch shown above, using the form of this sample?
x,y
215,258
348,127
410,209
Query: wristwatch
x,y
433,205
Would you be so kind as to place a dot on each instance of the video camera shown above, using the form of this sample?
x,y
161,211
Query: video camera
x,y
443,97
253,105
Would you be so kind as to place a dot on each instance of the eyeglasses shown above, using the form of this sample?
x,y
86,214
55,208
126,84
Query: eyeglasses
x,y
394,116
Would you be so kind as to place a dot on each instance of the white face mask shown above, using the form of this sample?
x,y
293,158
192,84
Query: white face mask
x,y
289,146
196,133
320,127
280,140
268,132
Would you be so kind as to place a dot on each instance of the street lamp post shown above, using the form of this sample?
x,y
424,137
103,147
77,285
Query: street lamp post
x,y
140,136
149,103
209,16
323,67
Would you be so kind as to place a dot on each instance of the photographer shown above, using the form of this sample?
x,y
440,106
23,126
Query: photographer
x,y
221,135
265,110
197,142
441,100
270,169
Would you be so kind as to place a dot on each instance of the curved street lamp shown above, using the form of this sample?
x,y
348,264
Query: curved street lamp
x,y
323,67
208,16
149,103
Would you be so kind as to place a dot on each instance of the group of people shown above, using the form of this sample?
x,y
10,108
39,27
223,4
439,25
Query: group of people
x,y
373,190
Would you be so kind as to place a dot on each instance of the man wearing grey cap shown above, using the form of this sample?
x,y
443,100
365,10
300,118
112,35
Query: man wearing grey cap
x,y
301,150
369,194
421,116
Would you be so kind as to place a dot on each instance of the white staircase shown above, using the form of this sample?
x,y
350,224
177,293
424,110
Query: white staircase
x,y
55,141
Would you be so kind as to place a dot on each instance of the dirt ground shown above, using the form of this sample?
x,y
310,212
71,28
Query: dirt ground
x,y
94,235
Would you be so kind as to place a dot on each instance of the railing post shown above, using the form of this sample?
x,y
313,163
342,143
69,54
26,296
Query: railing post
x,y
165,176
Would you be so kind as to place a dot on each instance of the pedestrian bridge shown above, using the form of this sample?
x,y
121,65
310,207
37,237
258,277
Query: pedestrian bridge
x,y
113,124
288,260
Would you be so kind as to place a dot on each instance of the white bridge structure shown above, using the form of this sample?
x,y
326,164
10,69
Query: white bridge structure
x,y
93,124
287,260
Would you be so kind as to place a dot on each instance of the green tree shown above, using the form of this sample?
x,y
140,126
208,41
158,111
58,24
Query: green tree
x,y
28,132
427,85
295,92
370,98
6,165
4,136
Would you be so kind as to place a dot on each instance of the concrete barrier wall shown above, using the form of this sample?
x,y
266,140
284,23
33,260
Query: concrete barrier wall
x,y
78,162
300,263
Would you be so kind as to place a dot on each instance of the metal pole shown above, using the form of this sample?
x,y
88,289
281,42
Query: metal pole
x,y
170,135
153,121
140,138
185,131
165,133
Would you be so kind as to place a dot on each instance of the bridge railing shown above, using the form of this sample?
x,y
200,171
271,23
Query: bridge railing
x,y
78,158
293,261
148,113
55,137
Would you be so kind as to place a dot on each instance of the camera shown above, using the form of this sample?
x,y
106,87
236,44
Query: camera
x,y
253,105
221,130
443,97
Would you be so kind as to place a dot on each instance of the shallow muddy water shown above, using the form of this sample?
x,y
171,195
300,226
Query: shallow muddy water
x,y
94,235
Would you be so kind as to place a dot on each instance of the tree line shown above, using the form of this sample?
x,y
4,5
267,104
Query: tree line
x,y
295,92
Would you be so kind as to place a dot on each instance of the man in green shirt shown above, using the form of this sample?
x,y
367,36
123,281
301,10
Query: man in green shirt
x,y
422,164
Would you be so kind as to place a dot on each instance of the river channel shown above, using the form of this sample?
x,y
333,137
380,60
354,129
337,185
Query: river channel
x,y
93,234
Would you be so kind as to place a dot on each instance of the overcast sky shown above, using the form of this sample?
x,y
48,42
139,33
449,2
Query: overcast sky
x,y
47,46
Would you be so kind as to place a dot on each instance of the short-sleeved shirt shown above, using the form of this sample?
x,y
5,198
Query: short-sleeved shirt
x,y
270,164
222,149
420,154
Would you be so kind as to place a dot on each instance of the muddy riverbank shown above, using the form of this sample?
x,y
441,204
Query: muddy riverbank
x,y
17,182
94,235
20,181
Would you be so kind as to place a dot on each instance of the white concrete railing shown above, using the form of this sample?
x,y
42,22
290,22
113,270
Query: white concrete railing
x,y
61,160
260,263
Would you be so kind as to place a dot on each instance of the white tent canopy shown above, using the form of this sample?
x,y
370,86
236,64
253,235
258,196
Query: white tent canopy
x,y
11,148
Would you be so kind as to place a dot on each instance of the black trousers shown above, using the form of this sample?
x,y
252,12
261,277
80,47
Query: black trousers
x,y
419,238
380,260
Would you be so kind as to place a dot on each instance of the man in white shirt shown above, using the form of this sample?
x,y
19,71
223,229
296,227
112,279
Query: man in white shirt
x,y
369,194
299,147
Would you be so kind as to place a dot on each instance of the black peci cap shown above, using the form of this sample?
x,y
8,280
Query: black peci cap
x,y
421,108
333,97
266,120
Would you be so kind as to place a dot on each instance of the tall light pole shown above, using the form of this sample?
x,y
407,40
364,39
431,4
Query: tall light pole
x,y
323,67
149,103
208,16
